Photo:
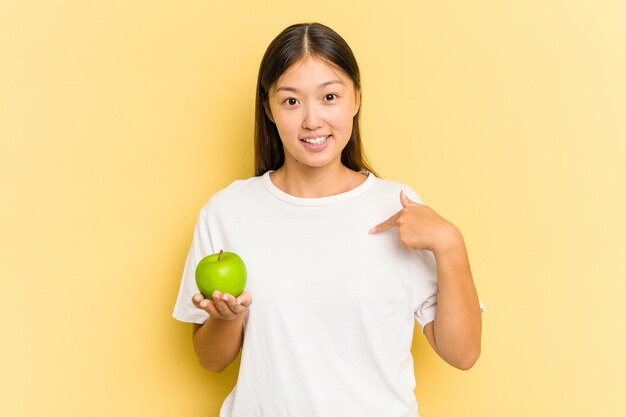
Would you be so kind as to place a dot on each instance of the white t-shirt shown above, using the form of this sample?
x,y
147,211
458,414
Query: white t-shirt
x,y
329,331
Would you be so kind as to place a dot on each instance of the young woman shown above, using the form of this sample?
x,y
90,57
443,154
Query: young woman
x,y
341,263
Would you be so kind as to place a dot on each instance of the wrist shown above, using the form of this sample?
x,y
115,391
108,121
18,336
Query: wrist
x,y
451,242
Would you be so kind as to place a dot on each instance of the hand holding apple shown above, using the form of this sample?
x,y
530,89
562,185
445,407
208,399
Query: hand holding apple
x,y
224,306
221,279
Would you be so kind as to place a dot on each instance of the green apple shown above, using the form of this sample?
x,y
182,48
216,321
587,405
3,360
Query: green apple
x,y
224,271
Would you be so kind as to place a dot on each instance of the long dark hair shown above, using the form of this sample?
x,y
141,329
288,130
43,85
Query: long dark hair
x,y
290,46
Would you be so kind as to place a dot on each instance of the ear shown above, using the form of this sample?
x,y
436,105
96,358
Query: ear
x,y
268,111
357,101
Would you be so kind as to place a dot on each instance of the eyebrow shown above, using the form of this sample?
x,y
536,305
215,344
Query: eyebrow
x,y
295,90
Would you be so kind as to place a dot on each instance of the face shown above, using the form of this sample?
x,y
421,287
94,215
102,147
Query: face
x,y
313,105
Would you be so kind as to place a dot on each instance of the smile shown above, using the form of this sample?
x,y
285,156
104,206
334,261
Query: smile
x,y
318,140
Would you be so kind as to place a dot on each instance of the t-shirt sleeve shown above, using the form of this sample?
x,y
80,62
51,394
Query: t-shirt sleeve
x,y
427,277
427,284
201,246
426,288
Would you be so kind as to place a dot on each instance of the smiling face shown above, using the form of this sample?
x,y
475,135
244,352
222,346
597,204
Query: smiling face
x,y
313,105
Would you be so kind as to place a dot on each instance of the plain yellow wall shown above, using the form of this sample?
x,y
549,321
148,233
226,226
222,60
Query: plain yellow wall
x,y
118,120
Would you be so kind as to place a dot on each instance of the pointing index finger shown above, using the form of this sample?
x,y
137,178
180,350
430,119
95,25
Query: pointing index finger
x,y
387,224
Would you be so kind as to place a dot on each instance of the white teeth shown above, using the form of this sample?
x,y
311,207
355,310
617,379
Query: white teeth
x,y
316,141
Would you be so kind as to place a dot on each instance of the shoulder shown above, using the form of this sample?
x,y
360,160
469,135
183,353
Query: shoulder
x,y
393,188
236,193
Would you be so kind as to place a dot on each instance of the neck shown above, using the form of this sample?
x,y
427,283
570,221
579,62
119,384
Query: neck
x,y
313,182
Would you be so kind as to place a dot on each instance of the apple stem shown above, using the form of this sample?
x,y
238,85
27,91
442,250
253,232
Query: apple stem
x,y
219,257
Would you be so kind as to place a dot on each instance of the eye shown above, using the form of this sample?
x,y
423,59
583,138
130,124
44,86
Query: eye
x,y
330,97
291,101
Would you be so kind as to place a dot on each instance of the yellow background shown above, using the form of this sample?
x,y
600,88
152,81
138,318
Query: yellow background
x,y
118,120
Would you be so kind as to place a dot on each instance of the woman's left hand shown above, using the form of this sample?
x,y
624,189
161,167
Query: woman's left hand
x,y
420,227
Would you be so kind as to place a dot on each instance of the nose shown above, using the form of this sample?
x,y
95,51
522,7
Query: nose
x,y
311,119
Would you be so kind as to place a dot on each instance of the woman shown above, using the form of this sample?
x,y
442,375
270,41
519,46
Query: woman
x,y
330,330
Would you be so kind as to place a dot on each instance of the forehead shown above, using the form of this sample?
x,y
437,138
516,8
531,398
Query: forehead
x,y
311,72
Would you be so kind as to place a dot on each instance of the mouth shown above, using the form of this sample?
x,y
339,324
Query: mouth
x,y
317,141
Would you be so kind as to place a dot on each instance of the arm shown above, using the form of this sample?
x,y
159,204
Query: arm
x,y
218,341
456,330
455,334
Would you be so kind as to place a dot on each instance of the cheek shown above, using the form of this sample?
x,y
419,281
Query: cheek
x,y
342,118
285,122
288,129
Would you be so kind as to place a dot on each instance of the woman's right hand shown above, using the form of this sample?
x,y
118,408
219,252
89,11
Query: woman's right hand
x,y
225,306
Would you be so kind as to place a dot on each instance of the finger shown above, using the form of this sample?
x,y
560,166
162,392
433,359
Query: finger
x,y
231,302
221,306
204,304
244,300
212,310
387,224
406,202
196,299
226,297
199,301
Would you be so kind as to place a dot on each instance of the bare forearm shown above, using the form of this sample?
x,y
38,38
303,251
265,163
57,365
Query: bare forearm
x,y
458,323
217,342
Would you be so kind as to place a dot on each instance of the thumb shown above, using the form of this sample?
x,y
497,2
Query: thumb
x,y
405,200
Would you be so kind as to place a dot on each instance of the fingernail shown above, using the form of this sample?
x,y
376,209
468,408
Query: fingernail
x,y
197,298
238,301
372,230
225,297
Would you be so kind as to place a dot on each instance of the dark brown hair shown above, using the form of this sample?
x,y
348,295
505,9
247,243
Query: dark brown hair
x,y
292,45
